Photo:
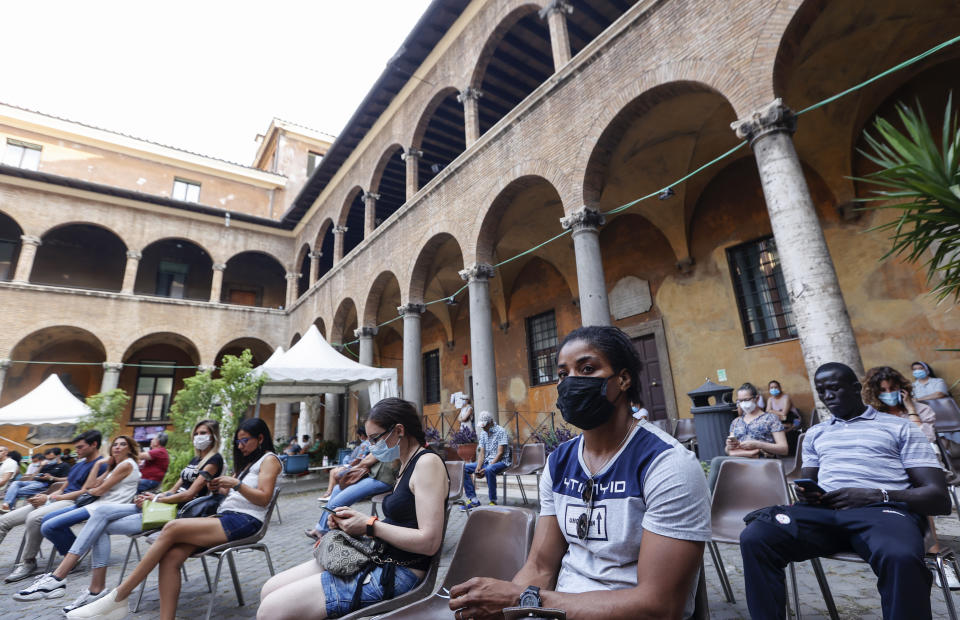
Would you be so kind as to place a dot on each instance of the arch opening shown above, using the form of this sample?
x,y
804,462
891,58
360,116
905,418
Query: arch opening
x,y
354,221
153,373
10,241
443,136
325,241
391,184
303,277
175,268
254,279
80,256
73,353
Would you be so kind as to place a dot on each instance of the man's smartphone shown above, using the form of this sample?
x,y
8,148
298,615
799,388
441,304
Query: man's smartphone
x,y
330,510
809,485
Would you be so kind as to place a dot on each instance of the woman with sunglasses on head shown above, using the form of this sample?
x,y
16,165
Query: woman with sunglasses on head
x,y
240,515
411,528
624,511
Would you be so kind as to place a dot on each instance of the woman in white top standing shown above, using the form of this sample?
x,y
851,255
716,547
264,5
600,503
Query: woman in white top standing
x,y
240,515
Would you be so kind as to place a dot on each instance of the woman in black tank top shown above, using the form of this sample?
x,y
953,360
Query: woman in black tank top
x,y
411,530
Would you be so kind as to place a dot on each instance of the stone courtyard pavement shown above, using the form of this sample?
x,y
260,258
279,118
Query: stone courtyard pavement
x,y
853,584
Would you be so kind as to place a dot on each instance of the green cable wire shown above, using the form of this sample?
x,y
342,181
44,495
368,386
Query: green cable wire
x,y
893,69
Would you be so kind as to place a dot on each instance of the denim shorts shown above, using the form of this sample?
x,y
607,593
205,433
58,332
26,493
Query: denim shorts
x,y
238,525
338,591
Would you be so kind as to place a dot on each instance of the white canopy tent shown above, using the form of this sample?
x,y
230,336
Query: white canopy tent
x,y
312,367
48,403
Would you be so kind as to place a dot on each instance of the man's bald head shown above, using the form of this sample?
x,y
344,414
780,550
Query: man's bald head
x,y
839,389
840,371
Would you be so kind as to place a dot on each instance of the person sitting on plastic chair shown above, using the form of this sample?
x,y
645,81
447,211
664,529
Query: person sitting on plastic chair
x,y
624,510
493,458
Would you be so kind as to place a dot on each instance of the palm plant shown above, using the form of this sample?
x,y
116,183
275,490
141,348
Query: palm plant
x,y
921,180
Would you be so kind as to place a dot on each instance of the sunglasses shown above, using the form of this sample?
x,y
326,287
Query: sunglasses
x,y
583,521
243,441
375,438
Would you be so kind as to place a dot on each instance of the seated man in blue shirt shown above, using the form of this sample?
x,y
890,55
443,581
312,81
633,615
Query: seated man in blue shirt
x,y
881,479
493,458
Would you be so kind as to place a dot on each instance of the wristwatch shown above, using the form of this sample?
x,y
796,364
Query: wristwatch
x,y
885,495
531,597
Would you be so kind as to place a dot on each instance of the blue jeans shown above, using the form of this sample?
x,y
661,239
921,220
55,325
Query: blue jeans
x,y
56,527
147,485
23,488
491,470
367,487
121,519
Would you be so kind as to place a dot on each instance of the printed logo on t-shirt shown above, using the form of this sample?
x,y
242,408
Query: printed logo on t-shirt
x,y
598,521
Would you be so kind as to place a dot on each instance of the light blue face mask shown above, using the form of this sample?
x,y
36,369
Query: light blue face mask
x,y
382,453
890,399
919,373
774,392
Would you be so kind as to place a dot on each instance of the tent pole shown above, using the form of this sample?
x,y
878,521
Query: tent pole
x,y
256,411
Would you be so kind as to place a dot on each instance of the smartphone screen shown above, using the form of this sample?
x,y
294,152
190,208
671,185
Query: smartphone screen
x,y
330,510
808,484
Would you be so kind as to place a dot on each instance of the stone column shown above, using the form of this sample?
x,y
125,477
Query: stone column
x,y
281,421
130,273
369,212
28,251
819,311
556,15
586,223
332,419
412,364
314,266
216,286
338,233
365,335
291,288
484,365
111,376
470,98
412,157
4,367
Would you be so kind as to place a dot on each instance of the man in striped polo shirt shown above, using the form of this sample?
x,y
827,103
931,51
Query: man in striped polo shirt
x,y
881,479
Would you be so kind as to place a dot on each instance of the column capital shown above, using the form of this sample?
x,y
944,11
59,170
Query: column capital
x,y
774,117
411,152
370,196
134,254
30,240
292,275
365,332
339,230
479,271
206,368
469,93
5,364
585,218
411,309
556,6
315,255
219,266
112,367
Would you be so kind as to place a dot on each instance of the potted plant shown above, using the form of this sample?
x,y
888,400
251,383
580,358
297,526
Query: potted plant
x,y
465,441
552,438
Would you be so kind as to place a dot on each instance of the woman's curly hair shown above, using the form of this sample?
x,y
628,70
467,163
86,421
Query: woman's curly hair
x,y
876,376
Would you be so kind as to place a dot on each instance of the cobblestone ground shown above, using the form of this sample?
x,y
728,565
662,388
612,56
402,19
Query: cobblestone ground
x,y
853,585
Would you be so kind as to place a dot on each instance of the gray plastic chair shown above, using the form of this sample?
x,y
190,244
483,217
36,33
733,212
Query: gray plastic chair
x,y
745,485
495,543
533,458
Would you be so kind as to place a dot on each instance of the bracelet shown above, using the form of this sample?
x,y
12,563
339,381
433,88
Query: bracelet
x,y
885,495
237,487
370,523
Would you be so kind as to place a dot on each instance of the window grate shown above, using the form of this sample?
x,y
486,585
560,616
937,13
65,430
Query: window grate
x,y
762,299
431,377
542,346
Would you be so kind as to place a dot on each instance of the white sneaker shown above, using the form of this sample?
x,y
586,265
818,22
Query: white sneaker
x,y
85,598
104,608
46,586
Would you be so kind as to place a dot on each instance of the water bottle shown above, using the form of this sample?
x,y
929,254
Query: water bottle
x,y
326,461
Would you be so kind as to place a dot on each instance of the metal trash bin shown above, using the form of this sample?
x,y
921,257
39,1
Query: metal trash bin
x,y
712,419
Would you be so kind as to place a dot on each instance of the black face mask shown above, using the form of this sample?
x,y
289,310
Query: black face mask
x,y
583,401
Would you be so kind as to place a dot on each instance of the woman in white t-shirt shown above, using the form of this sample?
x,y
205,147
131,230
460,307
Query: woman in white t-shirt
x,y
240,515
926,385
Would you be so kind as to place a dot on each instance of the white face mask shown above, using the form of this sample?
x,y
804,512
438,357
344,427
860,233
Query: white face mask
x,y
748,406
202,442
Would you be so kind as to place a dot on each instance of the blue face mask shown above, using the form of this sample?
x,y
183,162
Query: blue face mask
x,y
920,374
774,392
890,399
382,453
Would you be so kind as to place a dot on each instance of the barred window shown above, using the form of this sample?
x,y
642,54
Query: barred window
x,y
431,377
762,298
542,345
154,391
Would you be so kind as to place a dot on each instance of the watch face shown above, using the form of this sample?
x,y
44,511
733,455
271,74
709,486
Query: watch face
x,y
529,599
